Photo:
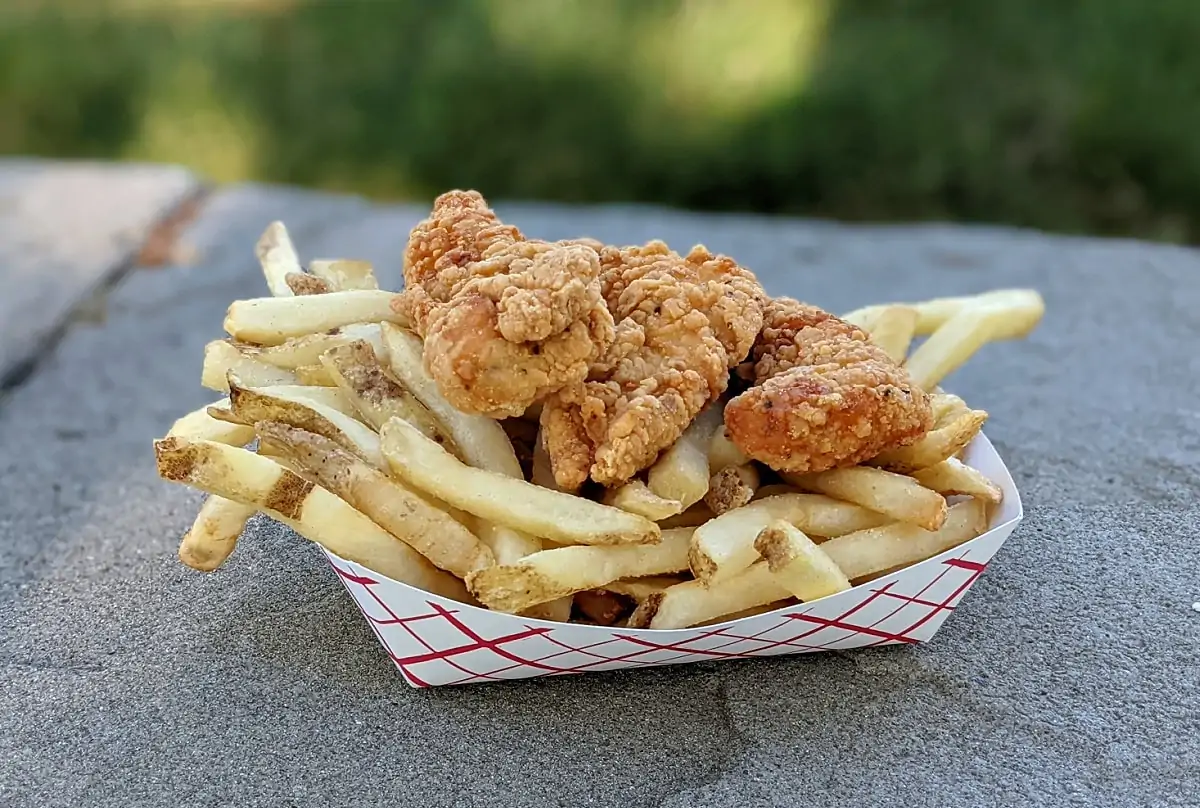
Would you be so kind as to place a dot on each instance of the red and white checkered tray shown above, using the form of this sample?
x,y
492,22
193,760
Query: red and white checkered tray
x,y
436,641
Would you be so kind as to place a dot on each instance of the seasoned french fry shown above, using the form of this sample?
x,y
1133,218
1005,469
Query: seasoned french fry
x,y
301,283
252,405
723,452
898,545
635,497
553,573
681,472
799,566
895,495
507,500
308,509
732,487
400,511
345,275
692,602
214,533
935,446
480,440
357,372
222,357
724,546
892,330
952,476
200,425
307,350
278,258
274,320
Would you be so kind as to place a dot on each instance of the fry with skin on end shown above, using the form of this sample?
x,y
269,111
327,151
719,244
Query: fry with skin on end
x,y
724,546
201,425
554,573
942,442
278,258
400,511
635,497
681,472
952,476
274,320
732,487
308,509
360,376
305,351
895,495
345,275
507,500
301,283
222,357
799,565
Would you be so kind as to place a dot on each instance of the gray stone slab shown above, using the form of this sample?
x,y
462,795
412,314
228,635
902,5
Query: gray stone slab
x,y
1066,677
65,228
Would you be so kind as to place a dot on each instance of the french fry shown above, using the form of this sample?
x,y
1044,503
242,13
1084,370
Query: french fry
x,y
638,589
799,565
753,611
301,283
314,376
357,372
952,476
935,446
732,487
681,472
274,320
895,495
200,425
345,275
507,500
724,546
1025,307
892,330
278,258
635,497
866,552
400,511
690,603
954,343
774,490
222,357
252,405
694,516
311,511
328,396
554,573
214,532
480,440
723,452
307,350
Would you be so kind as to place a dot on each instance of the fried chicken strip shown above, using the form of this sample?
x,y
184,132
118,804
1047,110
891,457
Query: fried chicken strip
x,y
506,320
824,395
681,324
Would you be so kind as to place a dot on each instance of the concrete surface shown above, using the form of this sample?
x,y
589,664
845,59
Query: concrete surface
x,y
1068,676
65,228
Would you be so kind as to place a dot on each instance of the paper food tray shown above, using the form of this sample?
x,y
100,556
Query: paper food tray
x,y
437,641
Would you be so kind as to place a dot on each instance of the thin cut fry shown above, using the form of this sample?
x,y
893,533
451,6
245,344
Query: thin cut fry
x,y
898,545
732,487
935,446
308,509
723,452
554,573
345,275
900,497
278,258
301,351
681,472
952,476
799,566
357,372
214,533
301,283
273,320
725,546
400,511
507,500
222,357
200,425
892,330
635,497
480,440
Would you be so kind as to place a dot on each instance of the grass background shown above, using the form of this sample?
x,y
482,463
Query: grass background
x,y
1068,115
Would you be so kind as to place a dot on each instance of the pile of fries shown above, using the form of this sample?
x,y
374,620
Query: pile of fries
x,y
353,447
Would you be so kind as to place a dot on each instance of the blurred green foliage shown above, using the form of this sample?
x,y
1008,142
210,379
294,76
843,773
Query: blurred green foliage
x,y
1076,115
